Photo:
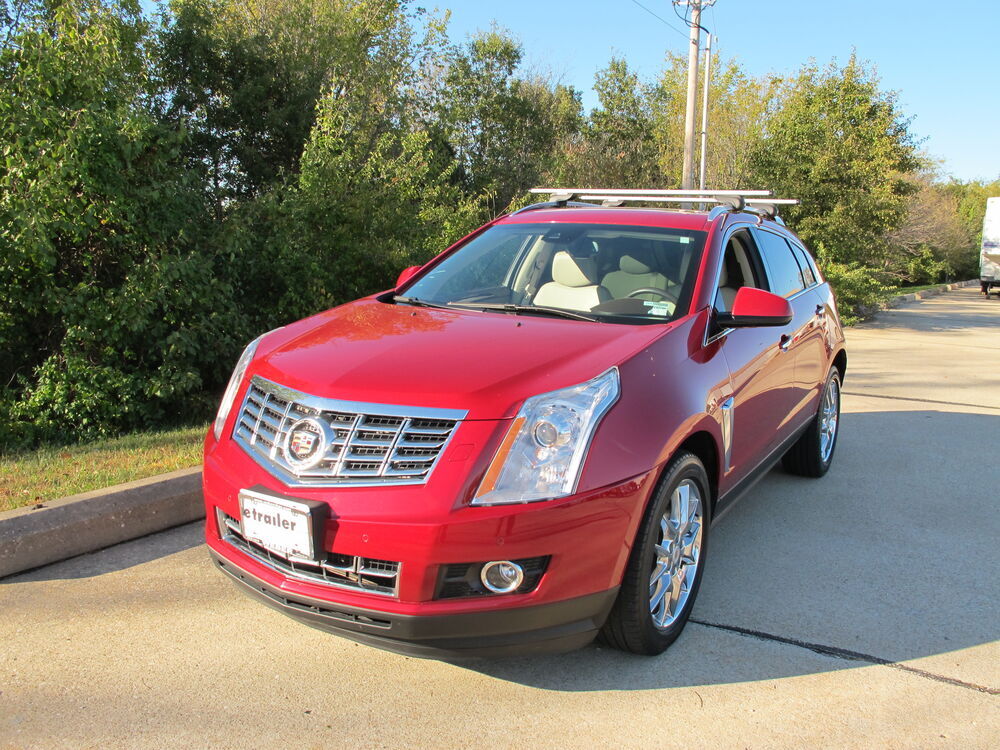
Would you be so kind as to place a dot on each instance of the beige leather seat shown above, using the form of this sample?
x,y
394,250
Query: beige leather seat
x,y
727,294
634,272
736,272
574,284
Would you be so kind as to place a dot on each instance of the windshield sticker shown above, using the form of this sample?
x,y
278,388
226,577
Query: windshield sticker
x,y
663,309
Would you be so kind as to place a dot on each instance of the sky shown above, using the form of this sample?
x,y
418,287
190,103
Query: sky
x,y
940,58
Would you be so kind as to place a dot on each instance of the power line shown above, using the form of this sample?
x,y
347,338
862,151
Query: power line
x,y
660,19
677,13
686,20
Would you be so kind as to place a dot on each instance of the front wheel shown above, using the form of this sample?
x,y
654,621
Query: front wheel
x,y
812,453
665,568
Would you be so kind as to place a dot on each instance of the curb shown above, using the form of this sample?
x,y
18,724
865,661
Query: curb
x,y
32,537
870,310
914,296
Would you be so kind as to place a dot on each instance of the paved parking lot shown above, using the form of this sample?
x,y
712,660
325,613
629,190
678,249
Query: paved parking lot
x,y
860,610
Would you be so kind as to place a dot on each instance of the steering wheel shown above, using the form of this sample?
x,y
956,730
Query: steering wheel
x,y
651,290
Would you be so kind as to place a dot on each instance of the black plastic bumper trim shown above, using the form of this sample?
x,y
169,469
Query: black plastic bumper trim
x,y
544,628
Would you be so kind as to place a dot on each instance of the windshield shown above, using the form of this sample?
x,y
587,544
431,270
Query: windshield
x,y
607,272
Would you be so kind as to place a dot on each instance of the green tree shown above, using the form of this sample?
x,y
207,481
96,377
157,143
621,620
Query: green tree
x,y
932,243
839,143
374,193
501,128
971,196
738,108
245,77
616,147
108,309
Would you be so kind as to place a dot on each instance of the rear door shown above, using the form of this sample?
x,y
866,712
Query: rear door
x,y
802,340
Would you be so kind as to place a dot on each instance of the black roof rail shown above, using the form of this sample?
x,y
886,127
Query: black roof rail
x,y
555,204
765,209
768,211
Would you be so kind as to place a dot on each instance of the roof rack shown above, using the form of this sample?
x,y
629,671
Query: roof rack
x,y
633,192
756,201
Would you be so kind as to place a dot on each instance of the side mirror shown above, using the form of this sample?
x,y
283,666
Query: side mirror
x,y
755,307
406,274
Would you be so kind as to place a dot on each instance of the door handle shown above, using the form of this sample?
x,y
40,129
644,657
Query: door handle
x,y
784,342
820,311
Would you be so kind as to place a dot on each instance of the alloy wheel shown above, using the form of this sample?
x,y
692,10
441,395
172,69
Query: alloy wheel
x,y
677,554
829,416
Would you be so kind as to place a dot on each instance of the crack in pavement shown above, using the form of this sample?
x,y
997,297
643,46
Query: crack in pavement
x,y
846,654
922,400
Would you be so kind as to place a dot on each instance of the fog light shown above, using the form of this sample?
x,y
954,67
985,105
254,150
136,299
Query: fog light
x,y
501,576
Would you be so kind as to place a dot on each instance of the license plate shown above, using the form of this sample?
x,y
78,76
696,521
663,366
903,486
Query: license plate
x,y
277,523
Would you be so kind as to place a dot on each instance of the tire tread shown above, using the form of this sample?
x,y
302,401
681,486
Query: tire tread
x,y
624,629
803,459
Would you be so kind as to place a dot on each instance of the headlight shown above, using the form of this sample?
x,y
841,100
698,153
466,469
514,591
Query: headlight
x,y
234,385
542,454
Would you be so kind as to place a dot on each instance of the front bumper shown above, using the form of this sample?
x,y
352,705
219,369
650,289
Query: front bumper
x,y
545,628
585,538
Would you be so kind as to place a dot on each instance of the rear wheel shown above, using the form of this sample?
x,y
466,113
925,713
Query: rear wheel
x,y
812,454
665,568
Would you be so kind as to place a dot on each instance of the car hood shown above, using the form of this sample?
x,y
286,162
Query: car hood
x,y
486,363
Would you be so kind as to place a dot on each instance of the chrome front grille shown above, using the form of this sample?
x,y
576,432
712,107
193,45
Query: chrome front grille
x,y
332,569
361,443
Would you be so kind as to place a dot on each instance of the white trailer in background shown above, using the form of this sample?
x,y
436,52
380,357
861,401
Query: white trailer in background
x,y
989,258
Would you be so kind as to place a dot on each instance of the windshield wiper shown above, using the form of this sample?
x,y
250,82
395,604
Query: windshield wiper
x,y
404,300
535,309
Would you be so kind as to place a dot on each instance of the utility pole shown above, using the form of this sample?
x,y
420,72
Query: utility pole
x,y
704,108
687,176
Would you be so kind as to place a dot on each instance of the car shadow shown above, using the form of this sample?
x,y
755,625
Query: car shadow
x,y
893,554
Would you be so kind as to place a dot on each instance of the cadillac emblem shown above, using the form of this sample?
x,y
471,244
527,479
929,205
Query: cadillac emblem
x,y
305,444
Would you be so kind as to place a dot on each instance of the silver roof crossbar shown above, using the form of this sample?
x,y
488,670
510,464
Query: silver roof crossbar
x,y
757,201
634,192
715,198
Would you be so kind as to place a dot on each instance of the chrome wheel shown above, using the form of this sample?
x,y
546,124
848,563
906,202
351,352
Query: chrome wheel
x,y
828,418
677,554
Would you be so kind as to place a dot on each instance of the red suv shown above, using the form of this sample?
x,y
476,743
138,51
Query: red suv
x,y
524,443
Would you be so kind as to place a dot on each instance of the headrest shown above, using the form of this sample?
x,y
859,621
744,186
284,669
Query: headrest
x,y
570,271
724,276
632,264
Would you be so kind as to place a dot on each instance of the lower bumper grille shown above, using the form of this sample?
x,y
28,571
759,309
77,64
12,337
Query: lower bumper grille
x,y
342,571
462,579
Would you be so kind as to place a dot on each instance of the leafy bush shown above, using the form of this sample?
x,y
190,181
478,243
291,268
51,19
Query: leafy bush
x,y
859,290
109,293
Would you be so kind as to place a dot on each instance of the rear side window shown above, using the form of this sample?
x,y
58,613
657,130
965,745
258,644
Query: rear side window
x,y
782,267
808,270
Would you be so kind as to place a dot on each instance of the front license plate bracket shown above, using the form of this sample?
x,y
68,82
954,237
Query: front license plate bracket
x,y
275,521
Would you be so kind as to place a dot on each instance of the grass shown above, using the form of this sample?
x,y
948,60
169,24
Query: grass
x,y
50,473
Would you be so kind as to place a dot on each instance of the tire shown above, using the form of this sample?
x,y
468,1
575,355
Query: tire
x,y
812,453
638,622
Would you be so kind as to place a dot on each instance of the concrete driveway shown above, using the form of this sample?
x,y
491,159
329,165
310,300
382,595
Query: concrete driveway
x,y
859,610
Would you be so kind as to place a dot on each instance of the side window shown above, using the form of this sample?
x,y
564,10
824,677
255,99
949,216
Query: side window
x,y
741,267
808,268
782,267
